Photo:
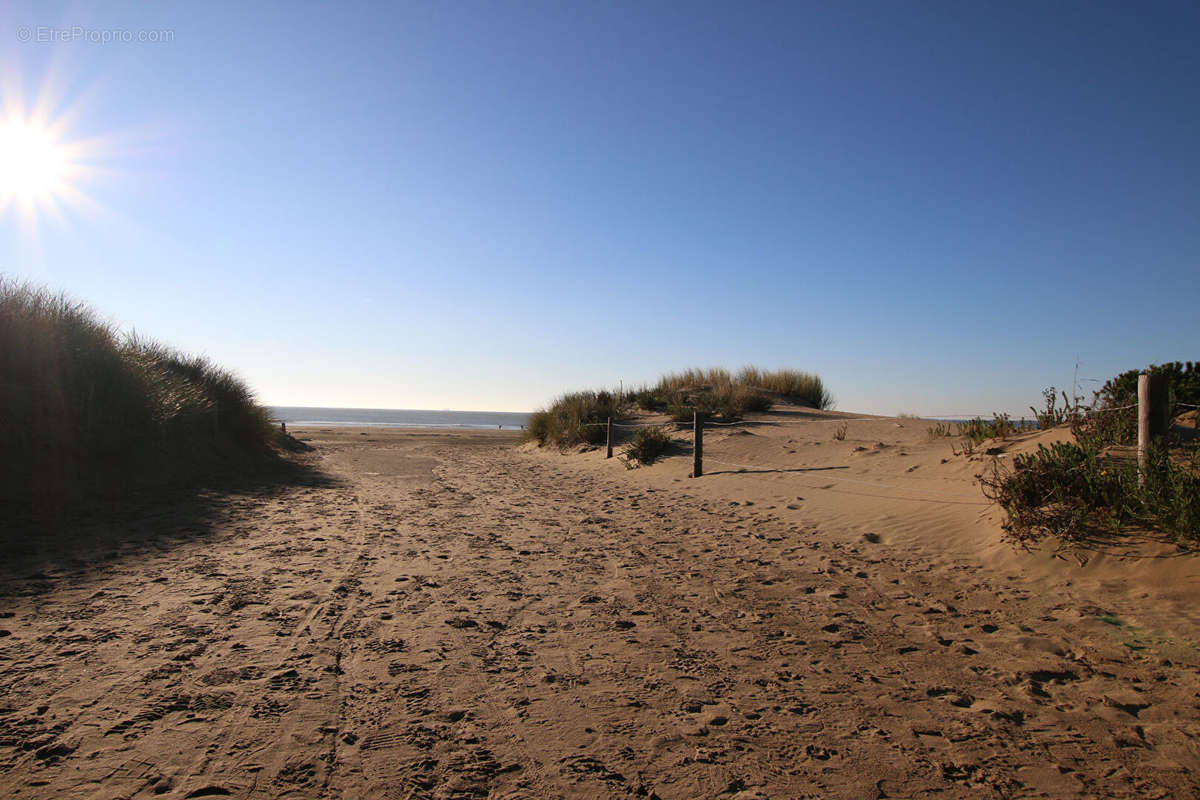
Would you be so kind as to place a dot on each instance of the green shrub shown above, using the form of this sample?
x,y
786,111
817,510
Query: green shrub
x,y
1069,489
1171,497
1114,420
1183,384
647,445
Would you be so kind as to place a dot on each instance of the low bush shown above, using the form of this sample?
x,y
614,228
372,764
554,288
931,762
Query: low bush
x,y
1183,384
1113,418
1171,497
1068,489
647,445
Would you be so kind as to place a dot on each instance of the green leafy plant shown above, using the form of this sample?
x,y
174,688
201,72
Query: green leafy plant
x,y
1052,415
1067,489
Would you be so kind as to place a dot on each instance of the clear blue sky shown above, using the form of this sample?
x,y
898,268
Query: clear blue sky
x,y
937,206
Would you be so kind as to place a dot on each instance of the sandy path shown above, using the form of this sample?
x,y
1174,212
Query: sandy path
x,y
454,618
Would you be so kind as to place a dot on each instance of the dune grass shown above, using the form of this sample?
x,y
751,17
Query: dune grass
x,y
718,392
87,410
715,393
574,418
799,387
792,385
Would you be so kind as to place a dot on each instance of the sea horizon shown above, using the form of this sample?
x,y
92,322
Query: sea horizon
x,y
399,417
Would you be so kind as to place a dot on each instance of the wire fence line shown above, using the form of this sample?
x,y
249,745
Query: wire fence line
x,y
699,424
923,495
895,491
932,417
940,497
706,423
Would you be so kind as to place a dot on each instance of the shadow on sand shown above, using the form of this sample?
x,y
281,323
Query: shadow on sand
x,y
757,471
42,545
1133,544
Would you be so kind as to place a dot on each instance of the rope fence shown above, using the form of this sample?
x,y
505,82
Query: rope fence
x,y
932,417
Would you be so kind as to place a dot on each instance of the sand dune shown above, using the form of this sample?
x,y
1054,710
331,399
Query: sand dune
x,y
450,615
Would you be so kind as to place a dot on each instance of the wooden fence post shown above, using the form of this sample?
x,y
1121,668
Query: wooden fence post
x,y
698,449
609,438
1152,417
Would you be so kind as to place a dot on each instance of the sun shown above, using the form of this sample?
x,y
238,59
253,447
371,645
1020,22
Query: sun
x,y
47,169
35,169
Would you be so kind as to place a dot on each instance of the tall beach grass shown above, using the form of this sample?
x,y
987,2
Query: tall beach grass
x,y
84,409
715,392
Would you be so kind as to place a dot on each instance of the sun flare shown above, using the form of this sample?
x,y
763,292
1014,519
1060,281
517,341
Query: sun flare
x,y
33,166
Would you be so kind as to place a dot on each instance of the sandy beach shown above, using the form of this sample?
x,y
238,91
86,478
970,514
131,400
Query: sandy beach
x,y
432,614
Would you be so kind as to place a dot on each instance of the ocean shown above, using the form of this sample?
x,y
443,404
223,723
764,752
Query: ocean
x,y
399,417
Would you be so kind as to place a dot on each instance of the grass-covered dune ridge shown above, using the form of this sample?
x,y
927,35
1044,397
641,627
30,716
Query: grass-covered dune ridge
x,y
715,392
85,408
